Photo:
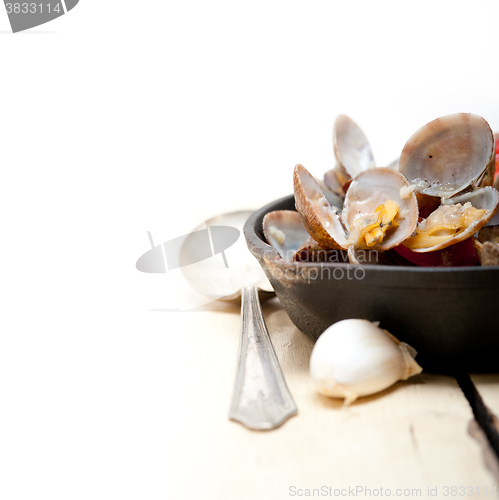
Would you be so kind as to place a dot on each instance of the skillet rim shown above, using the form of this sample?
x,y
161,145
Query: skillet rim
x,y
258,246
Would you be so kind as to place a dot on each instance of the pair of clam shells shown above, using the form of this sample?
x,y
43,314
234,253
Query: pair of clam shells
x,y
451,163
367,192
445,162
442,158
317,225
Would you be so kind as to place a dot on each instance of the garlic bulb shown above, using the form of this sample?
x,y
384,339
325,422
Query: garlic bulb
x,y
354,358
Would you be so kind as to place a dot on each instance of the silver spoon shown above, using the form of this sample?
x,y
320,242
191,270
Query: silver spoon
x,y
261,399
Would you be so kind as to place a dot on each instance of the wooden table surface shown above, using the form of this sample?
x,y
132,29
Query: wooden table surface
x,y
412,439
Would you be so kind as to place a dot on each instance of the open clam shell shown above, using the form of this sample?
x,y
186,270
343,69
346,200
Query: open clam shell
x,y
335,200
449,154
320,219
376,187
335,181
285,232
351,148
457,219
352,152
366,205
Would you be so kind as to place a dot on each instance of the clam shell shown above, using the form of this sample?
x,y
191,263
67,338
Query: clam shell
x,y
487,245
375,187
489,233
335,200
494,221
285,232
394,164
449,154
351,149
320,219
486,198
427,204
488,252
334,180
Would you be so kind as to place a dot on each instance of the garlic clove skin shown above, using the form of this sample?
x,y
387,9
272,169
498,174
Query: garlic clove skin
x,y
355,358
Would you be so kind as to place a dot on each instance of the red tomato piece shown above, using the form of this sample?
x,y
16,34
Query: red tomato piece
x,y
460,254
497,158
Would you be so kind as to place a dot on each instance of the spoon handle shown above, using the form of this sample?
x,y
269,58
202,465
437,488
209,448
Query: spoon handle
x,y
261,399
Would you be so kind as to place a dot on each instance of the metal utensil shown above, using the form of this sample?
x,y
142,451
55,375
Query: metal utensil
x,y
261,399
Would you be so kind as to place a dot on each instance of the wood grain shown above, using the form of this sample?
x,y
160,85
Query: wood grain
x,y
487,386
413,435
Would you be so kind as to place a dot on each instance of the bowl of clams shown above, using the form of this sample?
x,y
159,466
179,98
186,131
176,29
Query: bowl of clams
x,y
414,245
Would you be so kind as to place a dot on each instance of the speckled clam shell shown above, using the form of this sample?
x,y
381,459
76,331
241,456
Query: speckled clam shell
x,y
452,153
320,219
289,223
374,187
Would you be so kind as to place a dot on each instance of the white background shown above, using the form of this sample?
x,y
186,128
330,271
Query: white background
x,y
123,117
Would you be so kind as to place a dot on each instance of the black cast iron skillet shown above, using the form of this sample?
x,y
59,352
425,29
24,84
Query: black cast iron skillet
x,y
449,315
